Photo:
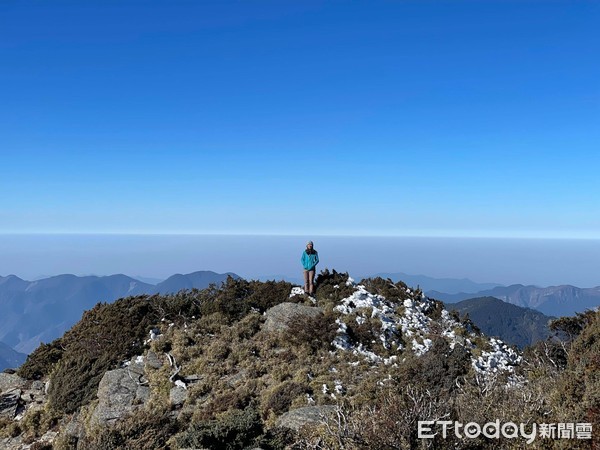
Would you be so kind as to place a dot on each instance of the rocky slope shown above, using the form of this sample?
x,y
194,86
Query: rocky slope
x,y
257,365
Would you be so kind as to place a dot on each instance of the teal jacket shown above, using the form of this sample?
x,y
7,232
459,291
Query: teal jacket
x,y
309,262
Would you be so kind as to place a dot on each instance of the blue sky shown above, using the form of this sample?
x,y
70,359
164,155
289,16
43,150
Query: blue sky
x,y
454,118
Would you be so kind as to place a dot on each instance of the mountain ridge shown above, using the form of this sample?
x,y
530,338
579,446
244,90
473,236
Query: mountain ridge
x,y
513,324
445,284
562,300
10,358
39,311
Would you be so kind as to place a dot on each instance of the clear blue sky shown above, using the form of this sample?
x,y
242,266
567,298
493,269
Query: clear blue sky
x,y
454,118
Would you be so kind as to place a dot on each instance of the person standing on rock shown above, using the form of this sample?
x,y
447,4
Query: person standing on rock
x,y
310,259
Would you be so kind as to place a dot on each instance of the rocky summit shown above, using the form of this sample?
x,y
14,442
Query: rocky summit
x,y
263,365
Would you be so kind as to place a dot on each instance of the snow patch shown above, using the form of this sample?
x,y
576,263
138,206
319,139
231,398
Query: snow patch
x,y
501,358
406,321
296,291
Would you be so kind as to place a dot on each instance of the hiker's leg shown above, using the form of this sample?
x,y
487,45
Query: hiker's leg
x,y
311,281
306,281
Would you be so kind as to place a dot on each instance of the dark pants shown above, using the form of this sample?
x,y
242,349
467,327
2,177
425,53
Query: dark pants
x,y
309,280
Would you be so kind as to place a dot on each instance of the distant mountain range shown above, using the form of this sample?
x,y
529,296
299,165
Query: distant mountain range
x,y
513,324
9,358
555,301
40,311
447,285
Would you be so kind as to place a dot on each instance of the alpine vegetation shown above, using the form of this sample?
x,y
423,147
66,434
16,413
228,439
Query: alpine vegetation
x,y
255,364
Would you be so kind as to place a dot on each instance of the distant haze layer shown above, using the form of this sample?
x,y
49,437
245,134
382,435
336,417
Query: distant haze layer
x,y
542,262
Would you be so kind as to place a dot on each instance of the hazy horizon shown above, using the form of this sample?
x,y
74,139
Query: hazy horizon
x,y
542,262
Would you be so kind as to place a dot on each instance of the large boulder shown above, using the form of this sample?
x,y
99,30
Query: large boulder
x,y
281,316
10,381
120,392
19,396
309,415
9,402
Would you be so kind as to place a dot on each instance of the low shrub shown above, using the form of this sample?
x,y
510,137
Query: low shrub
x,y
331,287
315,332
281,397
235,429
387,288
141,431
40,363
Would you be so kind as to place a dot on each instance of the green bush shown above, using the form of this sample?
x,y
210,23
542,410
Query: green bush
x,y
233,430
366,333
435,310
326,291
39,363
237,297
387,288
438,370
277,438
282,396
315,332
141,431
106,335
579,386
570,327
268,294
95,345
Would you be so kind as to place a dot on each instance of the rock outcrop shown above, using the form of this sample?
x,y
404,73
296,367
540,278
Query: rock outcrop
x,y
9,381
9,402
281,316
120,392
309,415
12,388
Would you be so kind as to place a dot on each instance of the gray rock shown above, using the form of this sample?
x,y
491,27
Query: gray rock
x,y
120,393
153,361
279,317
9,402
75,427
309,415
35,393
9,381
48,437
236,378
18,444
38,385
30,396
142,395
178,396
190,379
15,443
